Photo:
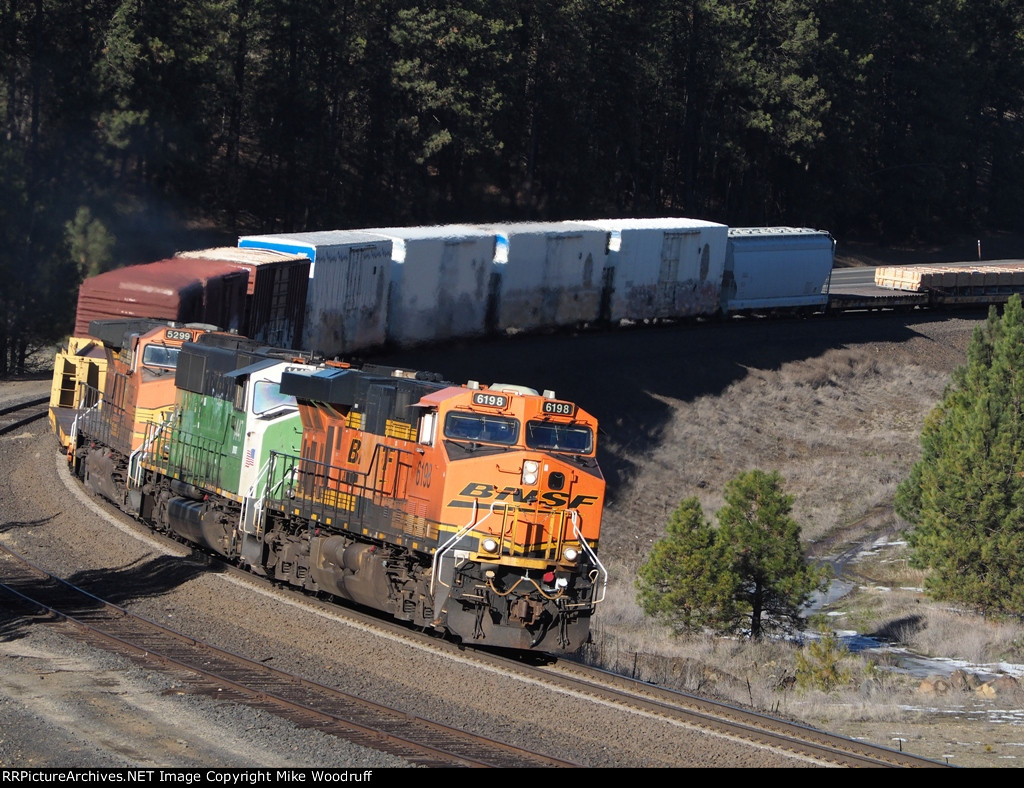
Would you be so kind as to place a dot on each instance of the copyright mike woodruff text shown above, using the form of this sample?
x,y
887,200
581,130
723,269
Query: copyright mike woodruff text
x,y
226,777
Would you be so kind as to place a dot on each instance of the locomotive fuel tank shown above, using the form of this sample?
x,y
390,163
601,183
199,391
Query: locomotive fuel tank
x,y
201,523
350,570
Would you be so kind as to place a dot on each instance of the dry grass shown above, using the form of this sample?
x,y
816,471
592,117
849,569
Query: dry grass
x,y
826,425
891,606
843,429
755,674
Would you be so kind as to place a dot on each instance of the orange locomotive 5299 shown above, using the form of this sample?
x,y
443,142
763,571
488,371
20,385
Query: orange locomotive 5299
x,y
130,384
469,509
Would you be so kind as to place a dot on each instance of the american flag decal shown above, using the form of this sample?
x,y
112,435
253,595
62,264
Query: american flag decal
x,y
250,458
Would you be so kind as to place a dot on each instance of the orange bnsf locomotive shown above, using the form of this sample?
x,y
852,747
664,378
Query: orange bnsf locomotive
x,y
102,414
469,509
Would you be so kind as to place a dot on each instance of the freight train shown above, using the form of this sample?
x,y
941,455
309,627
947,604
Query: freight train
x,y
341,293
197,395
206,394
471,510
344,292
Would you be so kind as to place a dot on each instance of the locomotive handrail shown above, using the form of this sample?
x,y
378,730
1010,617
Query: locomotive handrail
x,y
109,427
73,435
374,482
190,457
289,476
257,501
599,572
135,458
453,540
592,555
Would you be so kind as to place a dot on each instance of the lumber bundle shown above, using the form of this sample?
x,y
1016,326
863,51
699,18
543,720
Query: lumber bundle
x,y
990,277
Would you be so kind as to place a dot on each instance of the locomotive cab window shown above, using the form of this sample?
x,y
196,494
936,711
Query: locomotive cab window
x,y
160,356
267,400
559,437
428,423
480,428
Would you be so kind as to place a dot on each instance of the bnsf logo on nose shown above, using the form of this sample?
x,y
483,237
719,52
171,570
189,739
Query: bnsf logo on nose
x,y
488,492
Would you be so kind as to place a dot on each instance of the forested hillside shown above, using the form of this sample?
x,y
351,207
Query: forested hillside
x,y
127,122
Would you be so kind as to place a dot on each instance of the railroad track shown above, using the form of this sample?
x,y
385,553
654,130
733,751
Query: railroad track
x,y
671,707
665,705
30,592
648,700
13,417
632,696
255,684
722,719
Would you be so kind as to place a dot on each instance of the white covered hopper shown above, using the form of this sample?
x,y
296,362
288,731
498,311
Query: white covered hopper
x,y
770,268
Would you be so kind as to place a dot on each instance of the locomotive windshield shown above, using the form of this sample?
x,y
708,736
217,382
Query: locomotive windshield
x,y
160,356
267,397
559,437
478,427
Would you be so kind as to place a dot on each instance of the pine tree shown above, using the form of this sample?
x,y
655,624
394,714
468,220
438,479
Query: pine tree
x,y
819,664
686,582
763,544
90,243
965,497
748,575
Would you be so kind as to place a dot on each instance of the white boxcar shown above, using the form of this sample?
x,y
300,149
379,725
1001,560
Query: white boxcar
x,y
769,268
550,274
663,267
346,299
440,280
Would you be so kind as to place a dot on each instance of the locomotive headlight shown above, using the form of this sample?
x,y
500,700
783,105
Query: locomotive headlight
x,y
562,582
490,545
571,554
531,471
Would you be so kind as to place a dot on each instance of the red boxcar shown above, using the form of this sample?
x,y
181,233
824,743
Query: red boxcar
x,y
180,290
275,306
258,293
